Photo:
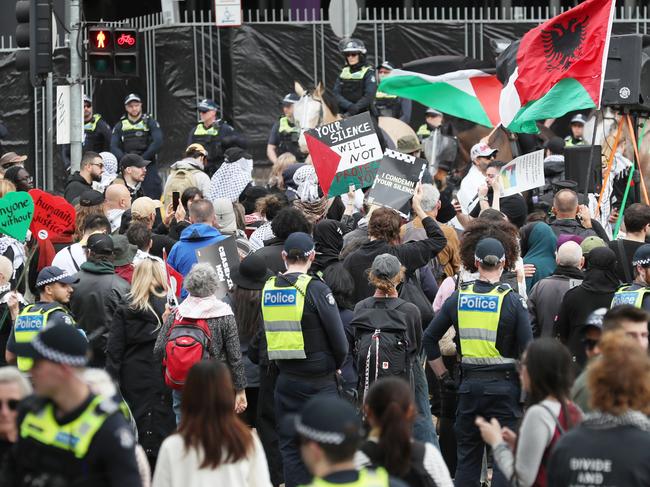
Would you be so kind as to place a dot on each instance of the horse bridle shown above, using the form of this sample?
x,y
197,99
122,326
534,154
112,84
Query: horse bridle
x,y
320,111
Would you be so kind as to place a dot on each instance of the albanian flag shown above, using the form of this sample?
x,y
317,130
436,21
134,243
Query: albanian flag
x,y
556,67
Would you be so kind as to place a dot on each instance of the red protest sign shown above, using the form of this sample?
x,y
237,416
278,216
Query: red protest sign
x,y
53,215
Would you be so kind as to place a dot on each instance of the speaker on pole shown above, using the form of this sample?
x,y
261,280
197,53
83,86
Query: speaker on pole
x,y
627,77
576,166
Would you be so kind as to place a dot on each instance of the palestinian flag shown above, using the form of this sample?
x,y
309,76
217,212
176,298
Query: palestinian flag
x,y
556,67
470,94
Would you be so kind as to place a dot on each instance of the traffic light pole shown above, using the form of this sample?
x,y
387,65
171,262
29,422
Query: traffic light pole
x,y
76,120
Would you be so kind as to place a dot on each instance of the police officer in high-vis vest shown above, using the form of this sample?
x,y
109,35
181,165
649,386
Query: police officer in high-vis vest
x,y
330,432
139,133
97,133
306,339
637,293
492,330
210,133
391,105
577,131
67,435
285,133
356,85
433,121
55,288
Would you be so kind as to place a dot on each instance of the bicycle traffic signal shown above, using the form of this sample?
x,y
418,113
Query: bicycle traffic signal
x,y
112,52
34,31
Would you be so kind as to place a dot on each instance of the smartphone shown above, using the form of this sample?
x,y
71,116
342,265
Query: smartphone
x,y
176,199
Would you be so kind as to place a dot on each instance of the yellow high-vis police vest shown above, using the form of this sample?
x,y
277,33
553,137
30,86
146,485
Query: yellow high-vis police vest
x,y
74,437
28,324
92,125
382,95
626,295
141,125
347,74
423,131
568,142
478,321
200,130
367,478
286,128
282,309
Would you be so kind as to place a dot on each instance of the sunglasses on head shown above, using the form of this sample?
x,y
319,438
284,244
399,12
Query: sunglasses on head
x,y
12,404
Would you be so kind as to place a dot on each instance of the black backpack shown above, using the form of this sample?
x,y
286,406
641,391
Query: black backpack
x,y
417,475
381,343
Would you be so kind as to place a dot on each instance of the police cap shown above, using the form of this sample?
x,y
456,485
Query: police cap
x,y
329,421
62,344
132,97
642,256
490,251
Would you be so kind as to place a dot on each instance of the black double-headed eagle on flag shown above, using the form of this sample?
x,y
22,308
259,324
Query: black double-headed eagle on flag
x,y
562,44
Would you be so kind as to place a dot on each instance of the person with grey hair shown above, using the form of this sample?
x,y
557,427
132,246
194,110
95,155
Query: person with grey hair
x,y
14,387
449,257
202,284
201,233
546,295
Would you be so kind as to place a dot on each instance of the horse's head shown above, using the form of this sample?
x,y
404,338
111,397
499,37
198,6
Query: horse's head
x,y
308,111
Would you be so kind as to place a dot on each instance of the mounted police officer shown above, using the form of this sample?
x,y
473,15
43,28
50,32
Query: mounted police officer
x,y
577,131
391,105
67,435
285,133
210,132
433,121
306,338
356,85
638,292
97,133
138,133
55,288
492,330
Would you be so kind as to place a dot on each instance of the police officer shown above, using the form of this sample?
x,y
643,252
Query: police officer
x,y
638,292
356,85
285,133
306,338
210,132
330,432
55,288
433,121
391,105
577,130
492,329
68,436
138,133
97,133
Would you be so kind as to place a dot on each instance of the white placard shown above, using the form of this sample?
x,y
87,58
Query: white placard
x,y
228,13
62,115
523,173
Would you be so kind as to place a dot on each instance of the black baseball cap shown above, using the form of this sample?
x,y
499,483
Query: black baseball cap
x,y
51,274
100,243
490,249
555,145
136,160
90,197
328,420
299,241
595,319
61,344
132,97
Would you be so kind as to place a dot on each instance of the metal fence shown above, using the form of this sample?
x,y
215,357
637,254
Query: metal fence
x,y
211,51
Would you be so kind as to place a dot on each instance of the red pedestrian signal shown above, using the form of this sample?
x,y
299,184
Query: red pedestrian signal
x,y
101,39
112,52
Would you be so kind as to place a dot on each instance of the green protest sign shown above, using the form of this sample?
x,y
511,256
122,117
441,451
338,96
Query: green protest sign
x,y
16,212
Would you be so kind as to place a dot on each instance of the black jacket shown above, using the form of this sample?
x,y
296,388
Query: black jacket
x,y
95,298
74,187
131,362
571,226
412,255
602,452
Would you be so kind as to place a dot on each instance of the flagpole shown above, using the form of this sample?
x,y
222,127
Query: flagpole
x,y
609,162
638,159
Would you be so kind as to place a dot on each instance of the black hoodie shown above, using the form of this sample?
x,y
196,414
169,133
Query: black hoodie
x,y
75,185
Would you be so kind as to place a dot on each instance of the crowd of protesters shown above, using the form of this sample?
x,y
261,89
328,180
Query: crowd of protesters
x,y
486,339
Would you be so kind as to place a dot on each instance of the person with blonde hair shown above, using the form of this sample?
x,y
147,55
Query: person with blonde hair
x,y
276,179
130,359
6,187
610,446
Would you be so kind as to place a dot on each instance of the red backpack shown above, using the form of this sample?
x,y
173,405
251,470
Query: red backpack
x,y
188,342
